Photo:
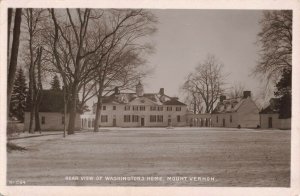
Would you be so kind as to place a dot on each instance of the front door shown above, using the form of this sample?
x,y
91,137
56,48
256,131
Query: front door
x,y
142,122
223,122
169,122
270,122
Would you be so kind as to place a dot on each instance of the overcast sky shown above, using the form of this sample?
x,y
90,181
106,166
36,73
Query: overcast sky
x,y
185,37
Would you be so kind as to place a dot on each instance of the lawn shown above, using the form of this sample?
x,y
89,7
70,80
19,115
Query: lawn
x,y
155,157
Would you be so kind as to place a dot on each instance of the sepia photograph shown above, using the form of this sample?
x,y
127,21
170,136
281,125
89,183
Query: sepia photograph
x,y
148,97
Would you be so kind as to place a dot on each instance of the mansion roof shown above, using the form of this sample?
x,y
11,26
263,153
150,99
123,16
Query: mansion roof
x,y
127,98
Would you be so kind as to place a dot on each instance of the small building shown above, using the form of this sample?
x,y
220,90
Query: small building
x,y
238,112
51,113
269,117
138,109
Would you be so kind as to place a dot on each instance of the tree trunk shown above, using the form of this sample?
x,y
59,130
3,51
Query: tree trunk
x,y
38,92
72,117
9,16
37,127
72,110
32,114
32,100
98,112
65,110
14,55
32,89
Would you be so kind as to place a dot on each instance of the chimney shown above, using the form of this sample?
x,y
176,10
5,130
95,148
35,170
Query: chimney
x,y
222,98
246,94
161,91
117,90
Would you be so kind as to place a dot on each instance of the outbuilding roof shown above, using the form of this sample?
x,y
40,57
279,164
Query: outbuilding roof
x,y
51,101
228,105
271,108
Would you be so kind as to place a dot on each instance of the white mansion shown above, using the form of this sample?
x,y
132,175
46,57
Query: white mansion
x,y
138,109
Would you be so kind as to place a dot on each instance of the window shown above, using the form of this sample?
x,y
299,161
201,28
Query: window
x,y
135,108
178,118
62,120
104,118
127,107
152,118
43,120
160,108
160,118
169,108
114,107
104,107
142,108
231,118
217,119
135,118
126,118
152,108
178,108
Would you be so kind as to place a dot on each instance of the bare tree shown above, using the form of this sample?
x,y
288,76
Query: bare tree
x,y
73,35
121,56
122,72
275,40
76,37
193,100
275,62
13,54
236,91
206,81
33,52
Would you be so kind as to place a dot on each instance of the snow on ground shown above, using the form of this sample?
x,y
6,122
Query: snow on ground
x,y
176,157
